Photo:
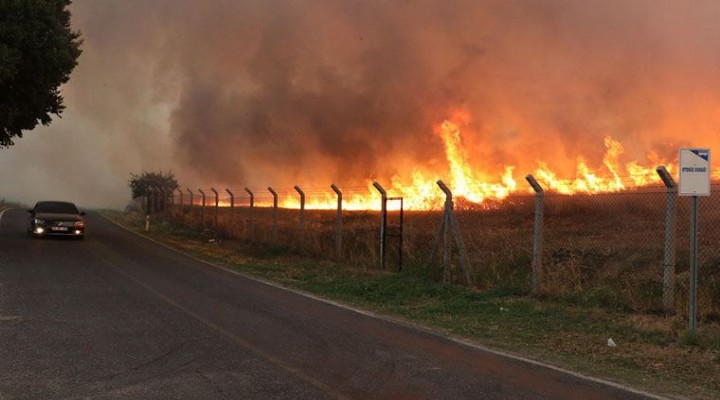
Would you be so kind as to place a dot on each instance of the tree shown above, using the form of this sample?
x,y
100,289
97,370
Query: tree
x,y
38,51
143,184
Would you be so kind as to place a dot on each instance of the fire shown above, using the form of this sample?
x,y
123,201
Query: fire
x,y
420,191
462,179
617,177
588,181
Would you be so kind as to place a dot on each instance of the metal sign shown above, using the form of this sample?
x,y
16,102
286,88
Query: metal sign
x,y
694,172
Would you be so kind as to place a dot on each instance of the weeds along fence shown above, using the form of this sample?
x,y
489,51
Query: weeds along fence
x,y
627,250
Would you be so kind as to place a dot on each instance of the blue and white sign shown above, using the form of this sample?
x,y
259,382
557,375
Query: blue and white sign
x,y
694,172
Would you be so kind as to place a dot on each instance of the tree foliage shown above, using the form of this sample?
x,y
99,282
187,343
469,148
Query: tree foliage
x,y
141,185
38,51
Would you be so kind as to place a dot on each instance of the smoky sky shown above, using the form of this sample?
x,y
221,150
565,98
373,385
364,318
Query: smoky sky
x,y
248,92
267,91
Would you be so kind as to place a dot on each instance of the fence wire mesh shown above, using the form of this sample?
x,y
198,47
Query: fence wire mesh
x,y
708,296
604,249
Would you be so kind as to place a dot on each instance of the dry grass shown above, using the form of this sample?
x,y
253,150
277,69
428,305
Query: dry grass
x,y
603,250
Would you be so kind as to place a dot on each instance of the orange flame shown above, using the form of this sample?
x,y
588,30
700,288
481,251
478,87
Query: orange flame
x,y
421,191
589,181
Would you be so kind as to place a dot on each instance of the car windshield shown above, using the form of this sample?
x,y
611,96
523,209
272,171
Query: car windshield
x,y
56,207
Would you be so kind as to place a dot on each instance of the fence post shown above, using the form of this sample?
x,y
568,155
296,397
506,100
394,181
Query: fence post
x,y
302,213
217,205
445,226
178,210
251,231
202,210
232,201
275,213
192,199
181,198
448,226
537,231
669,254
338,223
383,223
167,199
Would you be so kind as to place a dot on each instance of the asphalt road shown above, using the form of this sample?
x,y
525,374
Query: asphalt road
x,y
118,316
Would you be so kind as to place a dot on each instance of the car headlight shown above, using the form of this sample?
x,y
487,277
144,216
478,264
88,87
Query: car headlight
x,y
38,221
79,224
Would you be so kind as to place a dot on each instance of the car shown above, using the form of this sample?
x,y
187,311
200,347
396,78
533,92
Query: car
x,y
56,218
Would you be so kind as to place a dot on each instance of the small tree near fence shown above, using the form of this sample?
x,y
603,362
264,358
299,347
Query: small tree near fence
x,y
150,183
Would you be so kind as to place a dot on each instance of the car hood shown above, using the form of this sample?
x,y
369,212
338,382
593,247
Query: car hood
x,y
58,217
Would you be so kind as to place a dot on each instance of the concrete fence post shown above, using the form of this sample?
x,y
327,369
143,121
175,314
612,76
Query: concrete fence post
x,y
302,213
180,199
178,210
217,206
202,209
446,226
232,202
275,213
449,226
537,231
338,223
168,198
192,201
669,252
251,226
383,223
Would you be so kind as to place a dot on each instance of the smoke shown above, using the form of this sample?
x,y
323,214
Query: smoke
x,y
243,92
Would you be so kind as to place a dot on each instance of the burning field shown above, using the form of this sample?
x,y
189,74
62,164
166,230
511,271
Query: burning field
x,y
473,188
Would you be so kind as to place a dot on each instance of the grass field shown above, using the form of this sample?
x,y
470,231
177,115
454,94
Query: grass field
x,y
602,250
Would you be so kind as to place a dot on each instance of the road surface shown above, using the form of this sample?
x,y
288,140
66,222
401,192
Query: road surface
x,y
118,316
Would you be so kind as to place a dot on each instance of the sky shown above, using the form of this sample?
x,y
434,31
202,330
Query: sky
x,y
235,93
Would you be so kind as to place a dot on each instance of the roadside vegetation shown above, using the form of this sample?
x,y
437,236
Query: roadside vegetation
x,y
652,350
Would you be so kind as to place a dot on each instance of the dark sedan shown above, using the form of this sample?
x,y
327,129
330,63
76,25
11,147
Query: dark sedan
x,y
56,218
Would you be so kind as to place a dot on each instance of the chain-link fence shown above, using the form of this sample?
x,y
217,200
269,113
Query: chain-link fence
x,y
628,250
708,294
605,249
